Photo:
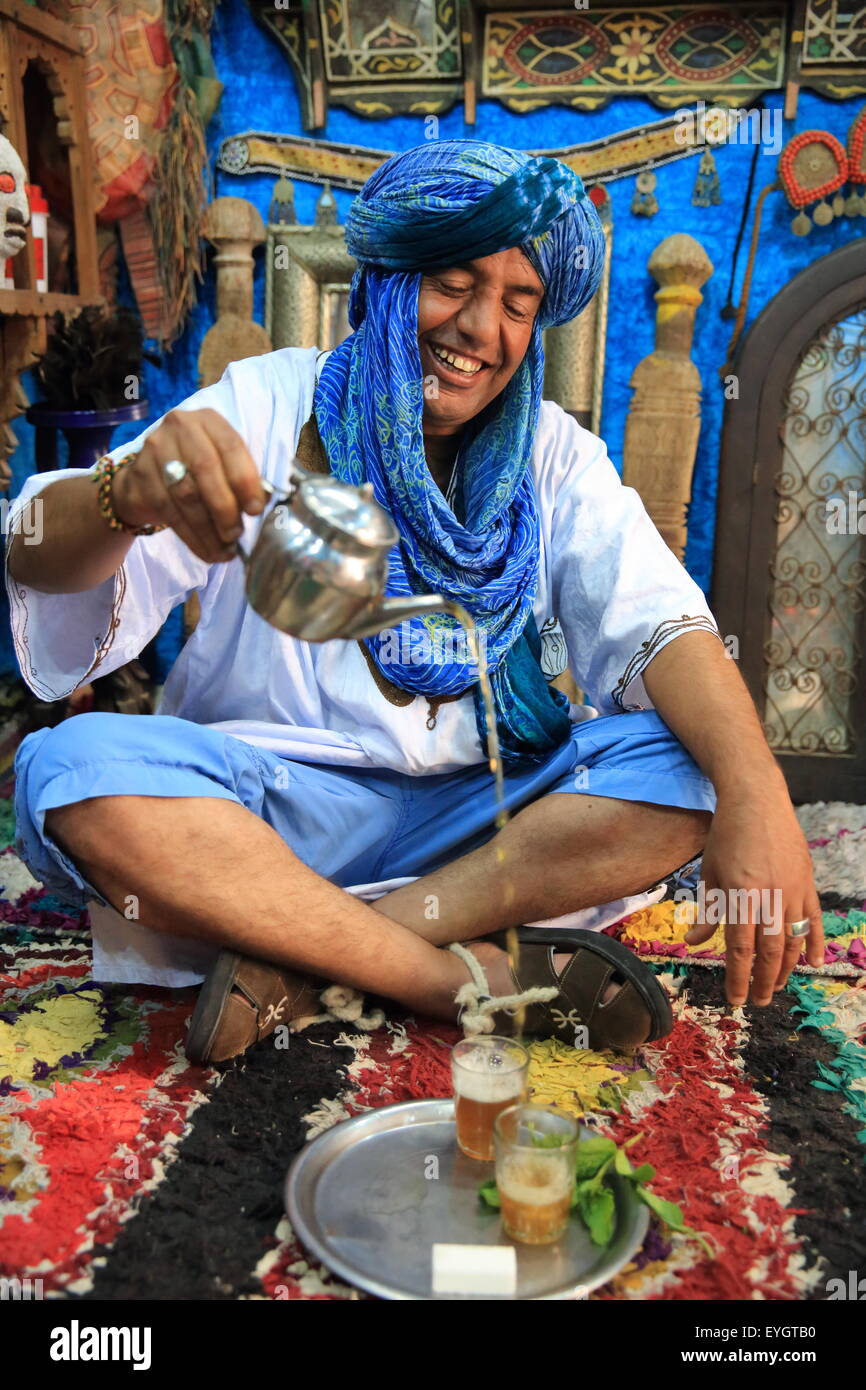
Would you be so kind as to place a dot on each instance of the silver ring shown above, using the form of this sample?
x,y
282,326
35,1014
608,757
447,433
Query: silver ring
x,y
174,472
800,928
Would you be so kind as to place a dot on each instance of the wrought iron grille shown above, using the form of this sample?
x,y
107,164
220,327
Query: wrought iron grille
x,y
813,654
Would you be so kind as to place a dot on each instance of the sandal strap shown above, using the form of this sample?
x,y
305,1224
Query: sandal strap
x,y
477,1006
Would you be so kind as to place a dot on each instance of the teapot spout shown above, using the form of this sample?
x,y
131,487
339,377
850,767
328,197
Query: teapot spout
x,y
392,611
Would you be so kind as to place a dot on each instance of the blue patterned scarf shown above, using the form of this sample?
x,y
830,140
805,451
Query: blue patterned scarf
x,y
443,203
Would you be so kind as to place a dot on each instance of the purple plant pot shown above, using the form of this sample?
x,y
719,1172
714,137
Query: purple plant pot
x,y
88,432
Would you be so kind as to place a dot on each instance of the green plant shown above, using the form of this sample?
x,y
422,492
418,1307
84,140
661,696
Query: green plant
x,y
92,359
595,1201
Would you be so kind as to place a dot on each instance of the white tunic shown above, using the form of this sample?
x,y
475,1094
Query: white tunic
x,y
606,575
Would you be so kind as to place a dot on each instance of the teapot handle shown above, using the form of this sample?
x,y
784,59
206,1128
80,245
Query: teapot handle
x,y
271,492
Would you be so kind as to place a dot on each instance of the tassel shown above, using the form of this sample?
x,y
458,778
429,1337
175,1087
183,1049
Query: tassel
x,y
644,203
707,188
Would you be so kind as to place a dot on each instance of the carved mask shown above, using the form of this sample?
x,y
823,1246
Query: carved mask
x,y
14,207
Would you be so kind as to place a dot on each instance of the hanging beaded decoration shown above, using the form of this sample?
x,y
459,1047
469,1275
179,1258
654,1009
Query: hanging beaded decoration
x,y
707,187
855,203
645,203
813,166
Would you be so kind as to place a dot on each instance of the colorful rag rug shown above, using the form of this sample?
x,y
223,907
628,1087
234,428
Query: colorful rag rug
x,y
126,1173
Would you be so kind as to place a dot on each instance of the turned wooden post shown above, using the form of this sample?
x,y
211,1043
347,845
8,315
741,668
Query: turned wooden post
x,y
235,227
664,418
22,342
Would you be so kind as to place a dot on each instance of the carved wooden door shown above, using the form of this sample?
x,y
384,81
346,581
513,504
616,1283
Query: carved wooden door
x,y
790,576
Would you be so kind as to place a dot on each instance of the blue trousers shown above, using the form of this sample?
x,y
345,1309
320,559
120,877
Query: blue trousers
x,y
351,825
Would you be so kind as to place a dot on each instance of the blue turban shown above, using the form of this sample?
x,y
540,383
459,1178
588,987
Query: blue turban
x,y
443,203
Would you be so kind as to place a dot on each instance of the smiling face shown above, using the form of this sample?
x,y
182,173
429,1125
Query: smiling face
x,y
474,326
14,207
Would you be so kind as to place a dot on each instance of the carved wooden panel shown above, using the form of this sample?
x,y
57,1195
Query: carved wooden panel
x,y
29,36
584,56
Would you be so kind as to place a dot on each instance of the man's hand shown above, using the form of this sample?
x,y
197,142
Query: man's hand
x,y
755,843
205,509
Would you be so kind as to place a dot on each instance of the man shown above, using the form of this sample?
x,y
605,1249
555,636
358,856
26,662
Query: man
x,y
281,773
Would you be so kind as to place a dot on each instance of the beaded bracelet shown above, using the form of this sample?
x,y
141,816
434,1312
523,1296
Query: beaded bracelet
x,y
102,475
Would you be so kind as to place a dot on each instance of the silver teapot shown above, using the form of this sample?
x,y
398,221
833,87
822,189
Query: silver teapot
x,y
319,565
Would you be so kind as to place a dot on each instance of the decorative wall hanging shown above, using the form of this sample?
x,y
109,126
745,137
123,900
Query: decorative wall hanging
x,y
376,59
664,418
349,166
151,89
671,55
708,189
855,204
124,151
644,203
826,50
183,182
140,87
834,47
812,167
382,59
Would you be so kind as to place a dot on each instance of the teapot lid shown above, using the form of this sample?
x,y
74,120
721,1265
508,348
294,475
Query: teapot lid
x,y
348,511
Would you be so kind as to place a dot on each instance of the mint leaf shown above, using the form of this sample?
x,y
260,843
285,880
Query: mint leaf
x,y
545,1141
622,1165
599,1177
672,1216
598,1209
549,1141
669,1212
643,1173
489,1193
592,1154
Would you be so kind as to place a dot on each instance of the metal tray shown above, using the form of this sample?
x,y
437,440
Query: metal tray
x,y
361,1197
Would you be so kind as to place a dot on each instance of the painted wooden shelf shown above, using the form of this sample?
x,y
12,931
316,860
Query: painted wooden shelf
x,y
39,304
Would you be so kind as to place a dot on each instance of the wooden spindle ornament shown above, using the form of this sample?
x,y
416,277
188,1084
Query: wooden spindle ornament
x,y
664,418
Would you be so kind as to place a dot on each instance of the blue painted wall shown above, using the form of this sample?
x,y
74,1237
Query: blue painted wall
x,y
260,94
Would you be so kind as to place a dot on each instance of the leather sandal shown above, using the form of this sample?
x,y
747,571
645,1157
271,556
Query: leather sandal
x,y
638,1013
243,1001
